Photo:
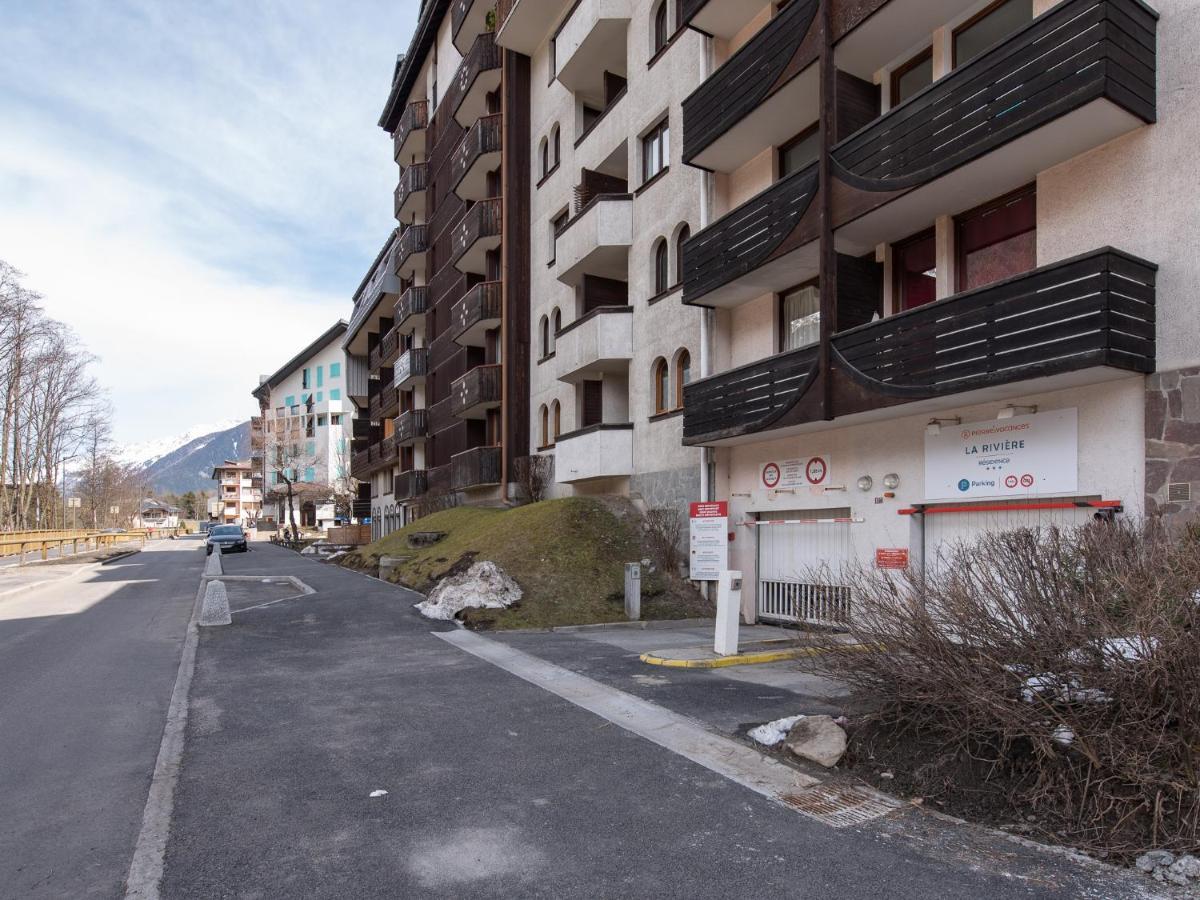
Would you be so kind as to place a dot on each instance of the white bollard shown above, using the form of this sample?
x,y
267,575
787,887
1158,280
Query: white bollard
x,y
215,610
729,610
212,565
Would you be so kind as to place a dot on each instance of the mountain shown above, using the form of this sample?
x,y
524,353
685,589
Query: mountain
x,y
185,463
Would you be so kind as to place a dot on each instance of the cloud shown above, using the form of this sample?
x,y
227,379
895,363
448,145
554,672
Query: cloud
x,y
196,188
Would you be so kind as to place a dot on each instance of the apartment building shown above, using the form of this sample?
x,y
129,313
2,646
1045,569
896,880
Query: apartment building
x,y
611,207
239,494
303,432
946,277
447,349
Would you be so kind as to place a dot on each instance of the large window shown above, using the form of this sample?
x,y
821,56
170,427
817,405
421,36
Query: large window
x,y
991,25
656,150
914,267
800,317
997,240
800,151
911,77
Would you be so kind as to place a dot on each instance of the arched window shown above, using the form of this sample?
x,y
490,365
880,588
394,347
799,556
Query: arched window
x,y
683,375
556,327
680,240
544,156
661,267
544,417
556,146
662,386
557,411
661,33
545,327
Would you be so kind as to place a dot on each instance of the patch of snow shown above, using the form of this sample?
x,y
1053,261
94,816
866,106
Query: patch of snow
x,y
483,586
378,793
1064,736
773,732
1063,687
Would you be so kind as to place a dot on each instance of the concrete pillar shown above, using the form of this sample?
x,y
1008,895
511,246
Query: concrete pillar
x,y
947,279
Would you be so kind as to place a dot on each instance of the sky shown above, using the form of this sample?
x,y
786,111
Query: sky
x,y
196,188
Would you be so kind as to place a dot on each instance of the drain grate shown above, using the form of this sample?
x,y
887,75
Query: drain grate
x,y
841,805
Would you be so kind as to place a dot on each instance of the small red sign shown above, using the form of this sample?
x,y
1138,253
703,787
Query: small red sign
x,y
816,470
718,509
771,475
891,557
1027,481
1010,481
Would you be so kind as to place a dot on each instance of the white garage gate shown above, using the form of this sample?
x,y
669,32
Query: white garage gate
x,y
801,554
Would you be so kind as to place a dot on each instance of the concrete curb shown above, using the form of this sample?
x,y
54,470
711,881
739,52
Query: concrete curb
x,y
753,658
640,625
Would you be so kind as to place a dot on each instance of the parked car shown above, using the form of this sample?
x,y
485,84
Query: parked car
x,y
226,538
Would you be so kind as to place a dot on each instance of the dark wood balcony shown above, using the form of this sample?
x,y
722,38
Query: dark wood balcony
x,y
384,353
379,456
1072,79
1080,321
468,18
410,251
361,429
755,87
477,233
477,76
384,403
410,484
411,426
411,368
410,192
478,467
766,244
475,393
411,309
408,140
477,154
477,313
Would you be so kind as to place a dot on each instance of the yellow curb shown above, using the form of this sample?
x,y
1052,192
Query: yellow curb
x,y
742,659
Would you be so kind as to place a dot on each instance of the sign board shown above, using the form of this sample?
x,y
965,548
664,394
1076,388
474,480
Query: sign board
x,y
809,471
891,558
1021,456
709,539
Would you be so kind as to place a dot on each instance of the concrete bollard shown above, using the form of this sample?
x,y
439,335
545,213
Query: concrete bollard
x,y
633,591
215,610
212,565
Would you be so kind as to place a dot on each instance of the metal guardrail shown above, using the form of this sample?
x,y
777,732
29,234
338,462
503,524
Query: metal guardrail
x,y
33,542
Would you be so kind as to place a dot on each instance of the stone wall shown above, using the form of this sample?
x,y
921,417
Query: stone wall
x,y
1173,444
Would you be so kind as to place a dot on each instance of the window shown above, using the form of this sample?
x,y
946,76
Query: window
x,y
661,267
683,375
912,76
304,380
335,370
320,376
800,151
555,326
680,240
321,421
335,394
555,146
997,240
557,416
545,337
320,394
800,317
993,24
662,386
914,271
660,31
656,150
290,401
544,153
310,474
544,417
335,419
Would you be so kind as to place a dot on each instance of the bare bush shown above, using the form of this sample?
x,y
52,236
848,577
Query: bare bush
x,y
533,474
1068,661
664,536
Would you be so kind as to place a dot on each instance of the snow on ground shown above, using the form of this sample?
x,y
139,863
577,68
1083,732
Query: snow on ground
x,y
483,586
774,732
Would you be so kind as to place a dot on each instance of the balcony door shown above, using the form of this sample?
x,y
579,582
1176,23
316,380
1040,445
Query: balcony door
x,y
997,240
800,317
914,268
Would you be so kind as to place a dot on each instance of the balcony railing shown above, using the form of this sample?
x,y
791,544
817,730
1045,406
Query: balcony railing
x,y
361,509
411,243
484,56
411,368
482,140
746,399
414,119
1078,52
383,403
755,71
411,305
748,237
385,351
476,392
478,311
410,484
378,456
411,426
412,182
478,231
477,467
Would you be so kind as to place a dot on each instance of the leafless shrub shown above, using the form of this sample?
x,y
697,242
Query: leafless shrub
x,y
435,500
533,474
1069,659
664,536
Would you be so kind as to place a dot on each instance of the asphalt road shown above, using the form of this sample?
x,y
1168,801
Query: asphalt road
x,y
87,666
496,788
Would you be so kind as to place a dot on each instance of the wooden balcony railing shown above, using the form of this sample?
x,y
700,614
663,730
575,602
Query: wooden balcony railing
x,y
482,306
479,389
410,484
414,118
483,56
1079,51
412,180
412,364
384,403
378,456
411,426
737,88
385,351
411,242
477,467
483,220
749,236
411,303
481,138
503,8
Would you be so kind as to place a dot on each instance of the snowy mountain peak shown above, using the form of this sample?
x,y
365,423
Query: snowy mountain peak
x,y
147,453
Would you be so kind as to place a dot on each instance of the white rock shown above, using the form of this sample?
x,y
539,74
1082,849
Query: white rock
x,y
483,586
378,793
817,738
1187,866
773,733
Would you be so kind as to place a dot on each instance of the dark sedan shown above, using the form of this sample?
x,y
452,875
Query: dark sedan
x,y
229,538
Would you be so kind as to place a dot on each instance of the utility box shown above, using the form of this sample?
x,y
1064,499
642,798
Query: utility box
x,y
729,611
633,591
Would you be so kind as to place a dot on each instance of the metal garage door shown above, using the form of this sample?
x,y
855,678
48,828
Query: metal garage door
x,y
801,554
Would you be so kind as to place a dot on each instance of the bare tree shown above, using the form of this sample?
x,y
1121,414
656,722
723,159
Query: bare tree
x,y
289,458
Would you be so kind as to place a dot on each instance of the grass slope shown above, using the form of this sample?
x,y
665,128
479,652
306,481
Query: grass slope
x,y
567,555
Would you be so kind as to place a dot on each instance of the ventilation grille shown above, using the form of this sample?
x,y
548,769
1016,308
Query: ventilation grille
x,y
1181,492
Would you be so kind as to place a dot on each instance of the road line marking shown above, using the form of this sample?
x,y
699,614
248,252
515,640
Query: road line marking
x,y
146,867
681,735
